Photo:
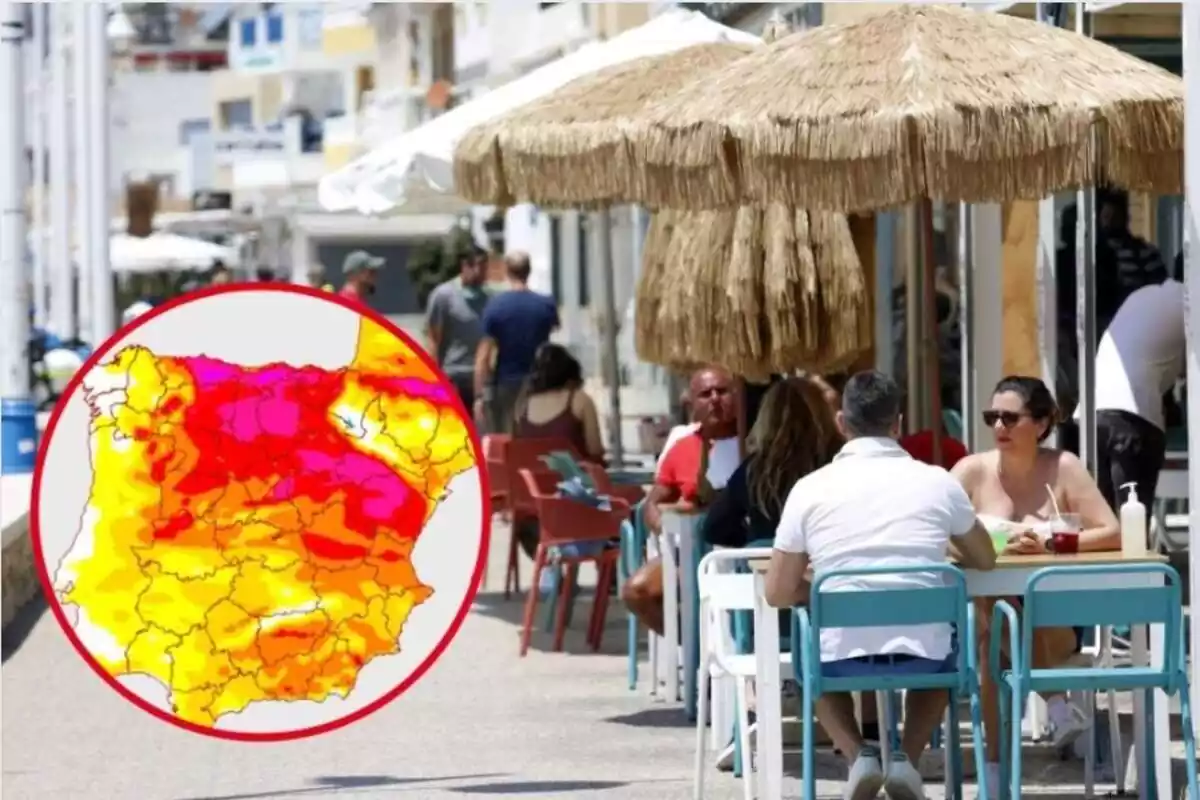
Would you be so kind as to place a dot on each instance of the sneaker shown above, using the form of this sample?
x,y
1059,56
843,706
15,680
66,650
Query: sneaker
x,y
866,776
1068,723
903,781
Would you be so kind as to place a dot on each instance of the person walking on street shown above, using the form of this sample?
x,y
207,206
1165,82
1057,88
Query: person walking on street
x,y
454,322
515,324
360,268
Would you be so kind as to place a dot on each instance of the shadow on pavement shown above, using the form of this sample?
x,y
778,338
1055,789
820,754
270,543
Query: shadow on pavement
x,y
658,717
512,611
322,784
536,787
21,626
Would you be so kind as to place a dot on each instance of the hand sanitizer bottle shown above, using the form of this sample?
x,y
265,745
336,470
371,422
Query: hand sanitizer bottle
x,y
1133,523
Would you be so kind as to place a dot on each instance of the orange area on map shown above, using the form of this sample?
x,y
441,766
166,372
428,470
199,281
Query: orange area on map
x,y
251,529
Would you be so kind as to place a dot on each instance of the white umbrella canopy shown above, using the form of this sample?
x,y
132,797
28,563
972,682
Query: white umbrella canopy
x,y
161,252
402,175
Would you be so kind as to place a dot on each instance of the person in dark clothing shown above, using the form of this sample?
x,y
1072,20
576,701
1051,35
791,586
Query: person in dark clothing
x,y
1124,263
515,324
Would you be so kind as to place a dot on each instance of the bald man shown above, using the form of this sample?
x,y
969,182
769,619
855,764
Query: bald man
x,y
691,469
515,324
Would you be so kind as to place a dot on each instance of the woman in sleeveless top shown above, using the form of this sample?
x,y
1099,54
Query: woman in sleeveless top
x,y
554,405
1008,487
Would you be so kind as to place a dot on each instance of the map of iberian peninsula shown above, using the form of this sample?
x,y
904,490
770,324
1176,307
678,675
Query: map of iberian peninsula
x,y
249,530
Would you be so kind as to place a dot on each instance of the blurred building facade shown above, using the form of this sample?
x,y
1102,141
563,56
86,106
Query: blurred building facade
x,y
492,48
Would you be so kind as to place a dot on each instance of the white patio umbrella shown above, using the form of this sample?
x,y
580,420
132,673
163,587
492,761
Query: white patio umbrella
x,y
415,170
161,252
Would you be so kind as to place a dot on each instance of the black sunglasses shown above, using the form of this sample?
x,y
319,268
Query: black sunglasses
x,y
1005,418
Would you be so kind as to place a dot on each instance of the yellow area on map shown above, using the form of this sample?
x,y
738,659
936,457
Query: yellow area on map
x,y
249,531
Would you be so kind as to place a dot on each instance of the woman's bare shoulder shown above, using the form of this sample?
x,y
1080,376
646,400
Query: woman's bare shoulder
x,y
1067,465
581,400
971,469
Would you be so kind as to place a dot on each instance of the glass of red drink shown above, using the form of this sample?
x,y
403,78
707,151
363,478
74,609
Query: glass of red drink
x,y
1064,533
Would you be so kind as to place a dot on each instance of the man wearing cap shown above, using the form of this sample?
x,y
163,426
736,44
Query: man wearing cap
x,y
359,268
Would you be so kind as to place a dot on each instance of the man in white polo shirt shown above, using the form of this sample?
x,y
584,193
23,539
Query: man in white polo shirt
x,y
1139,359
873,506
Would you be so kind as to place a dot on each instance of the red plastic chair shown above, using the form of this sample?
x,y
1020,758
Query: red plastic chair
x,y
495,448
522,454
561,522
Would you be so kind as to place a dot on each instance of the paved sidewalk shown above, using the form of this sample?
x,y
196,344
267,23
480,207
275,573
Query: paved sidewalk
x,y
483,723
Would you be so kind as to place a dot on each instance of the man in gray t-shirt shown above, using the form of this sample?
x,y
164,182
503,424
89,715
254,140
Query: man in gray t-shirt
x,y
454,322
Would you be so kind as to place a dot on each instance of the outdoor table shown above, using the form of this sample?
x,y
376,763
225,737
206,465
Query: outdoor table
x,y
1008,579
677,549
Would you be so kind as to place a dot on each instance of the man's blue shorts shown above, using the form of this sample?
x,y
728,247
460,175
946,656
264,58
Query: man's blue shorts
x,y
890,664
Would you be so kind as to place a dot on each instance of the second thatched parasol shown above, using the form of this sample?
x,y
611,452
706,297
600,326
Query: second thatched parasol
x,y
920,101
567,149
759,292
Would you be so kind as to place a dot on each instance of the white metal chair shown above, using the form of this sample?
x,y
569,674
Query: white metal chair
x,y
723,590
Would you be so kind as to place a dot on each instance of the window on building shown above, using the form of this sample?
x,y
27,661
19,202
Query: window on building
x,y
551,4
248,32
236,114
190,127
309,29
275,27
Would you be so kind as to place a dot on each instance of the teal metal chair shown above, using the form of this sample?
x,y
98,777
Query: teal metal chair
x,y
952,420
632,558
1051,608
894,607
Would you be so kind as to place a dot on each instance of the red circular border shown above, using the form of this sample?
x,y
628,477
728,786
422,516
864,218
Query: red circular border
x,y
48,586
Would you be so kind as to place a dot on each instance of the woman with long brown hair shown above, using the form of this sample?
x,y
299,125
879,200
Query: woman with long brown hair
x,y
794,434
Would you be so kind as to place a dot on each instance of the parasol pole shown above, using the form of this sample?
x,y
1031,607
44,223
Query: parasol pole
x,y
966,317
1191,229
930,332
612,365
1047,308
913,314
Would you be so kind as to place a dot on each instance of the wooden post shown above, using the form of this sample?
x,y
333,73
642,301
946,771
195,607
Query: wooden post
x,y
1020,297
862,232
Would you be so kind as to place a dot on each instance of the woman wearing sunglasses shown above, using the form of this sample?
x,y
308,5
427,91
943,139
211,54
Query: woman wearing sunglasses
x,y
1010,488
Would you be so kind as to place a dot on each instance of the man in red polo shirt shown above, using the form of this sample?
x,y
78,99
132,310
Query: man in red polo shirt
x,y
359,268
696,464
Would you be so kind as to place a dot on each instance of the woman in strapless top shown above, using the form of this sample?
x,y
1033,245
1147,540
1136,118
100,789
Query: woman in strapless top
x,y
1008,487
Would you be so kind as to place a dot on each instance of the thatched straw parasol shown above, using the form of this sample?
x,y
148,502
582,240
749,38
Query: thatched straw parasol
x,y
567,149
759,292
920,101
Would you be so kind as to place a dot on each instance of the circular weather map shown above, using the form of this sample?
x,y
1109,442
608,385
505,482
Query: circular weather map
x,y
259,512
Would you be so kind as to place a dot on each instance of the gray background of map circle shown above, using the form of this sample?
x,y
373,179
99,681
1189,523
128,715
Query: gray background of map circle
x,y
253,329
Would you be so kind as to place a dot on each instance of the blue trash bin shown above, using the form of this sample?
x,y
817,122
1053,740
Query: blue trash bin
x,y
18,436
